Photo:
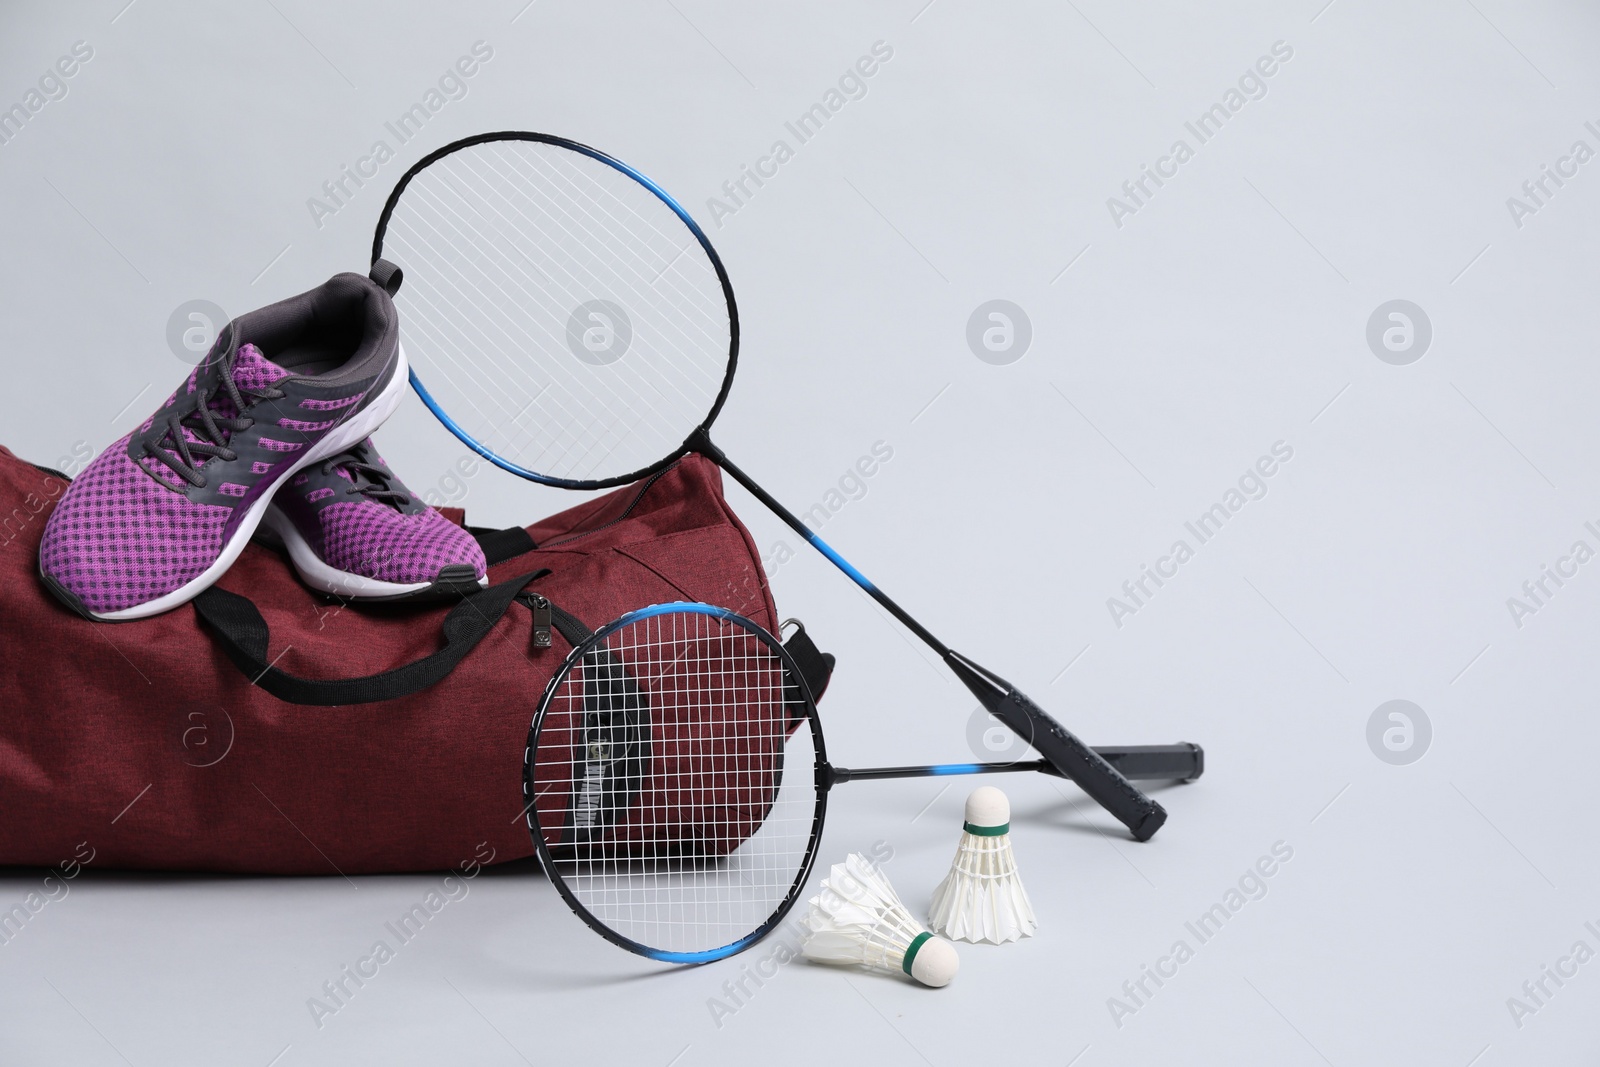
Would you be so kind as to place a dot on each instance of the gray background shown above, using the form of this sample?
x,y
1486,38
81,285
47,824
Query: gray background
x,y
1228,313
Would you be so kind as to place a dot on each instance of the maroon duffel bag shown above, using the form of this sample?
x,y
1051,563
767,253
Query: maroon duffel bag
x,y
268,728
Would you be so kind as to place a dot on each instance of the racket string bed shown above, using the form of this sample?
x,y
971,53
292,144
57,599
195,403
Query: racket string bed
x,y
713,836
520,236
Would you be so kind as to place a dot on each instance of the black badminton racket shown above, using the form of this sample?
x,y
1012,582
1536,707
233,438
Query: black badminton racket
x,y
676,781
574,326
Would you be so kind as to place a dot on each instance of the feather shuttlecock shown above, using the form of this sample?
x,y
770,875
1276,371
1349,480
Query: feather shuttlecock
x,y
982,898
858,918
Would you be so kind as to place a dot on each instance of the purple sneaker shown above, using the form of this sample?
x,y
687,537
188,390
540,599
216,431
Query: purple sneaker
x,y
353,530
160,515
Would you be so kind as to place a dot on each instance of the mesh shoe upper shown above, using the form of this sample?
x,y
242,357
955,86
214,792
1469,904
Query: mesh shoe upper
x,y
359,518
120,538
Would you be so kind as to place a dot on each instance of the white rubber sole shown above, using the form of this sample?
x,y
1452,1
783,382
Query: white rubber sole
x,y
359,427
319,575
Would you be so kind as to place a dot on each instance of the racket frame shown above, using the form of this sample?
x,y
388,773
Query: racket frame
x,y
821,771
661,194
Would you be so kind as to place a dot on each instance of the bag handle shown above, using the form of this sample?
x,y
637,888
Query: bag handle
x,y
244,636
501,545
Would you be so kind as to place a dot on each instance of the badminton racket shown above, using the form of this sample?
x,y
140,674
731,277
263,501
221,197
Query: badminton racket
x,y
572,324
676,781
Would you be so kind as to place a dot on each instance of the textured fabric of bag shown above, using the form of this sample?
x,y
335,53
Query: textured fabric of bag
x,y
143,738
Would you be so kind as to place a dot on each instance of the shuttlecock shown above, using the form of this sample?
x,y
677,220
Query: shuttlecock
x,y
858,918
982,898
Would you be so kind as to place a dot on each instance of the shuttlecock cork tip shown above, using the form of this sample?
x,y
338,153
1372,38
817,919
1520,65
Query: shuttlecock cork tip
x,y
932,961
988,809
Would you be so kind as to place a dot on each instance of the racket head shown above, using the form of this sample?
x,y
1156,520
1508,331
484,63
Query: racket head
x,y
564,316
675,783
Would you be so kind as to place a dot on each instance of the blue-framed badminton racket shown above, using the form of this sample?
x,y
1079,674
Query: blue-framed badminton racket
x,y
572,324
676,781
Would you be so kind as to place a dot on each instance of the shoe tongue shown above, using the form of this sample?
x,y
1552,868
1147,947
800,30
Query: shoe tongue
x,y
253,370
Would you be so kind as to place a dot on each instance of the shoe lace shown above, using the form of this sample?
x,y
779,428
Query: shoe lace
x,y
187,458
367,480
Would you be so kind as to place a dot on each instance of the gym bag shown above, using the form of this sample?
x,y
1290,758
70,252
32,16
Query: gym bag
x,y
267,728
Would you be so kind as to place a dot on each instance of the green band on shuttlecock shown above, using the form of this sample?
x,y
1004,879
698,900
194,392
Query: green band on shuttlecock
x,y
911,953
987,831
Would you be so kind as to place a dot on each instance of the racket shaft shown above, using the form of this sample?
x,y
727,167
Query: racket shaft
x,y
700,441
1183,762
1074,759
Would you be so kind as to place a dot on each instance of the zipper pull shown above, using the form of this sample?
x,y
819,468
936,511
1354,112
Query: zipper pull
x,y
541,621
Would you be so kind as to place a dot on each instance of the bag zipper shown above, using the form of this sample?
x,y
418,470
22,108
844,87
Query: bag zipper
x,y
548,617
643,489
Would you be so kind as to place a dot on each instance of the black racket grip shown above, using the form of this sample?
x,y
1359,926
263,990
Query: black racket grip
x,y
1074,759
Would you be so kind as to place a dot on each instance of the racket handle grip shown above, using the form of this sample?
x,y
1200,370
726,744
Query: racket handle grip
x,y
1074,759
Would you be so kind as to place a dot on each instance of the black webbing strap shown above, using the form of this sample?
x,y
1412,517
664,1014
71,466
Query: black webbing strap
x,y
501,545
816,666
245,638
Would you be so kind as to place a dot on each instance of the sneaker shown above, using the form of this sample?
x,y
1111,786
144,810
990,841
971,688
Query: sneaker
x,y
159,516
354,530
